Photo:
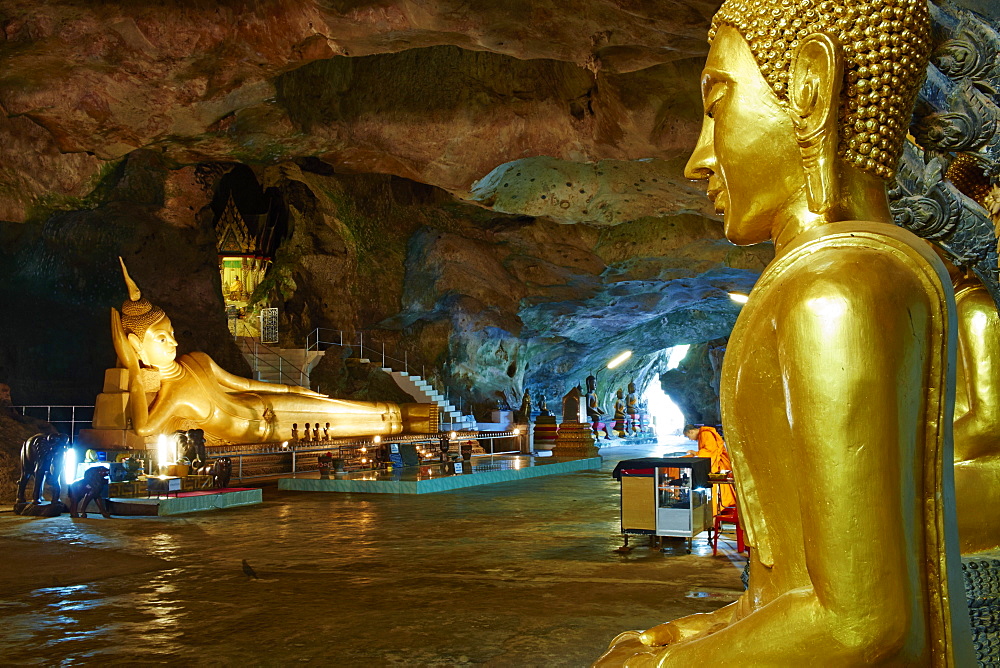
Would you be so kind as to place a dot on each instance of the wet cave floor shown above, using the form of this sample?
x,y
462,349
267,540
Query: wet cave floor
x,y
510,574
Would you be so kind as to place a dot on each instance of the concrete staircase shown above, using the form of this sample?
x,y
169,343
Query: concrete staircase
x,y
290,366
424,393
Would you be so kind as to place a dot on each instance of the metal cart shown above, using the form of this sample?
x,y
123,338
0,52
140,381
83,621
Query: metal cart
x,y
664,496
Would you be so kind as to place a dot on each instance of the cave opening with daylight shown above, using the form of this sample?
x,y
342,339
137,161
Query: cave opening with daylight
x,y
667,418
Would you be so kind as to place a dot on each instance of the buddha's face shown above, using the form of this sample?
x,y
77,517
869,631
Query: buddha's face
x,y
158,347
747,150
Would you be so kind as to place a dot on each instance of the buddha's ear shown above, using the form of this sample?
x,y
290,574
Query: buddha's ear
x,y
136,343
814,83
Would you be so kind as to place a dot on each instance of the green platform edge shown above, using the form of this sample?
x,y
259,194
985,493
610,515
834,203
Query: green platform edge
x,y
195,504
442,484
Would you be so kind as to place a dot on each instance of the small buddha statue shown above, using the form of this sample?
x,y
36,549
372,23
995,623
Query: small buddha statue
x,y
594,411
524,412
836,388
194,389
620,415
632,410
543,406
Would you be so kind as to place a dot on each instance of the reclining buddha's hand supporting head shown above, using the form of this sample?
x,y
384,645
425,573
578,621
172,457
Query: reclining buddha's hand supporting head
x,y
811,102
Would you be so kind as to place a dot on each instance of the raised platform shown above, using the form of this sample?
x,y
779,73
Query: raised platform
x,y
426,479
185,502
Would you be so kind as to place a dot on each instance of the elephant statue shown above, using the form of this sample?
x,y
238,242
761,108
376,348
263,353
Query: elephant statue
x,y
40,459
87,489
194,448
222,471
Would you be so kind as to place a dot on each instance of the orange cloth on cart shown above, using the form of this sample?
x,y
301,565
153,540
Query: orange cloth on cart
x,y
711,445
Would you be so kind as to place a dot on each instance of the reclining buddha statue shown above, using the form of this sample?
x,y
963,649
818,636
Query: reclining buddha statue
x,y
162,393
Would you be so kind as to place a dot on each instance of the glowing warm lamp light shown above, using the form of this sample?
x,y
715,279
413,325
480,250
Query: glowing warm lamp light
x,y
618,360
517,431
377,439
285,444
739,297
452,434
163,450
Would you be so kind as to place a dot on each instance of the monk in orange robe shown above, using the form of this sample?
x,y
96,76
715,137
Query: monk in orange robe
x,y
711,445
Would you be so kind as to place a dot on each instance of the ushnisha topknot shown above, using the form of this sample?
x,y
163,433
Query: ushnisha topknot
x,y
138,314
886,47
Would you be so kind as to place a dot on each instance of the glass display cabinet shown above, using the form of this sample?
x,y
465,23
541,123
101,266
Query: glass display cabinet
x,y
665,496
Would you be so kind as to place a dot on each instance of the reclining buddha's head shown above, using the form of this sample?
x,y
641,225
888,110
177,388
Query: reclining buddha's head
x,y
147,327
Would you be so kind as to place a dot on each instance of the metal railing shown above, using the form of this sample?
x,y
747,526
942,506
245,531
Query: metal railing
x,y
347,448
322,339
76,416
287,371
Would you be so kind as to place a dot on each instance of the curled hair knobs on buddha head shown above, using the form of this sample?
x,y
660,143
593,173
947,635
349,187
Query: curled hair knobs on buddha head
x,y
138,314
886,47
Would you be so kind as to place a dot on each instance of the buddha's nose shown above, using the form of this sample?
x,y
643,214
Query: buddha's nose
x,y
701,165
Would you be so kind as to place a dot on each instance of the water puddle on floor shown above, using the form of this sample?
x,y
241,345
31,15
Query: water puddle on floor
x,y
714,595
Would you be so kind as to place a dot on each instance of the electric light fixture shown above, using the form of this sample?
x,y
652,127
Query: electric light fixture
x,y
619,359
739,297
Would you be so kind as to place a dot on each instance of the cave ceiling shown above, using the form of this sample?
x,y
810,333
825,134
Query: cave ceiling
x,y
546,216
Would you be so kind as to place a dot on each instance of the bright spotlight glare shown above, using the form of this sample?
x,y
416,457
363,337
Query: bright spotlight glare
x,y
163,450
69,465
377,439
739,297
618,360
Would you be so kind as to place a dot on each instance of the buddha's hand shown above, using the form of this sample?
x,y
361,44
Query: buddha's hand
x,y
126,353
628,650
685,628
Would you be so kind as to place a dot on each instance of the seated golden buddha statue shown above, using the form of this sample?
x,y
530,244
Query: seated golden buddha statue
x,y
977,415
836,387
193,391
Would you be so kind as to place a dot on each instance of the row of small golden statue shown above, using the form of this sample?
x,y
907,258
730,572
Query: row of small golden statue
x,y
838,384
311,433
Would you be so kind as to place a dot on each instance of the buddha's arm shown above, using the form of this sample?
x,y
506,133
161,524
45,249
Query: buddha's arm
x,y
850,360
239,384
143,423
979,340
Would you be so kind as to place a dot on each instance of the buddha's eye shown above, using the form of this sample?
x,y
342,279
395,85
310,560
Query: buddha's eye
x,y
710,112
713,97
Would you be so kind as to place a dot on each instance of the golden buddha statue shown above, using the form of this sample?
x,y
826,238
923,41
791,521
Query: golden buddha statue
x,y
837,385
977,415
194,391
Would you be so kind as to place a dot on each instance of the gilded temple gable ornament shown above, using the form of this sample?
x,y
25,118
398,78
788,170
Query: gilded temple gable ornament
x,y
232,231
